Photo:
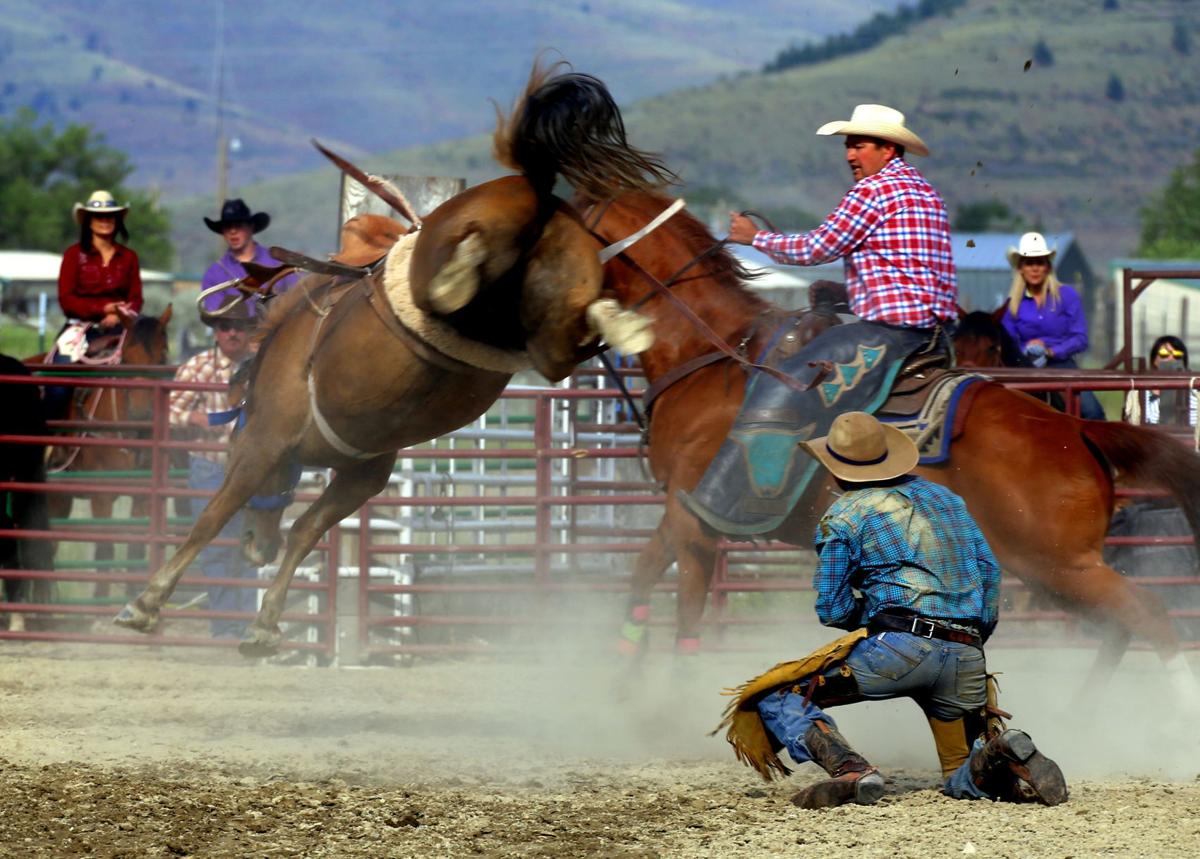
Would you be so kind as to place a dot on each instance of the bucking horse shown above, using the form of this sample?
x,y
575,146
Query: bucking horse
x,y
353,367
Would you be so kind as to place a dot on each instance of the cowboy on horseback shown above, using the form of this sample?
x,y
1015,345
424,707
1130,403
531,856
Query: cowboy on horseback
x,y
928,593
892,231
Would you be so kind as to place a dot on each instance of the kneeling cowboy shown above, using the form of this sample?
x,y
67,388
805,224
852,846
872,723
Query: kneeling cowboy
x,y
929,599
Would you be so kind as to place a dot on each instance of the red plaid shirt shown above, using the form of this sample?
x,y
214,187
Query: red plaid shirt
x,y
892,231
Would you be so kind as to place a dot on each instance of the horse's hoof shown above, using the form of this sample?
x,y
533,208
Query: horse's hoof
x,y
259,643
135,618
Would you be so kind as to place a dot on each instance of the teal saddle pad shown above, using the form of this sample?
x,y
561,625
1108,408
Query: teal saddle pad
x,y
761,472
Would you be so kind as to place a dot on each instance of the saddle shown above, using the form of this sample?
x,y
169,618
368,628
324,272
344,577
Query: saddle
x,y
760,473
86,342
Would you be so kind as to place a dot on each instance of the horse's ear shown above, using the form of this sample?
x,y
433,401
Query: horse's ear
x,y
166,317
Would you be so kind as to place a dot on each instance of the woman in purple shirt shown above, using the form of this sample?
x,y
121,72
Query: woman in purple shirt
x,y
1044,316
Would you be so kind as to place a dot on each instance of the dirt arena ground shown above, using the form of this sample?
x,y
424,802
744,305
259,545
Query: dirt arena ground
x,y
119,752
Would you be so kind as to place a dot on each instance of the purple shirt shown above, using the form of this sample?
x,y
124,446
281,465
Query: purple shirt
x,y
1062,326
228,268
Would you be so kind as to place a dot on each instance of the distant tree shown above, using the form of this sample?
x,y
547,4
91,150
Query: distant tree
x,y
1042,55
1171,220
1181,38
44,172
1114,90
864,37
1110,5
982,216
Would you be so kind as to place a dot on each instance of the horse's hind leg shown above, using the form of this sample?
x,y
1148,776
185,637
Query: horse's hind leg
x,y
248,468
1112,599
350,487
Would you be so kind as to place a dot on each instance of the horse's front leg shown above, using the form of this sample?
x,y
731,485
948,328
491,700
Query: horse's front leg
x,y
248,468
695,556
652,562
350,487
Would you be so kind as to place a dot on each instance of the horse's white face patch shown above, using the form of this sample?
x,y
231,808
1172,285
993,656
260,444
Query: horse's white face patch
x,y
456,282
434,331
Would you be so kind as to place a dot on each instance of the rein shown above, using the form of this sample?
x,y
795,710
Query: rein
x,y
658,288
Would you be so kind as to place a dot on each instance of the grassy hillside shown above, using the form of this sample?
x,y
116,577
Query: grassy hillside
x,y
1046,140
368,76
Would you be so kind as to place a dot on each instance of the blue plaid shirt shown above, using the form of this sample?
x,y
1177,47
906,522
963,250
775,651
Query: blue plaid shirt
x,y
911,546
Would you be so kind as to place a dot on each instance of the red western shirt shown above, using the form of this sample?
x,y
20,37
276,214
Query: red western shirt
x,y
86,284
892,231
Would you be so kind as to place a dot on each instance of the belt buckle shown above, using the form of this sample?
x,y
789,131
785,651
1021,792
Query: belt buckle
x,y
917,621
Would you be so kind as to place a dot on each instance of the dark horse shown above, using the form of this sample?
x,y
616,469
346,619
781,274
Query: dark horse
x,y
1040,483
22,463
499,278
980,341
144,344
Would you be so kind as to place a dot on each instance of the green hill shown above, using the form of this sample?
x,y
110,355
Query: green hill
x,y
1044,137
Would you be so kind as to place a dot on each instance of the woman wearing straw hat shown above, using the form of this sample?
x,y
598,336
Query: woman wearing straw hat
x,y
1046,316
928,593
99,287
100,279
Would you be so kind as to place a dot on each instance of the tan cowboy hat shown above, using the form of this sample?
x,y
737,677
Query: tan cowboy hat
x,y
877,120
860,449
1030,245
100,203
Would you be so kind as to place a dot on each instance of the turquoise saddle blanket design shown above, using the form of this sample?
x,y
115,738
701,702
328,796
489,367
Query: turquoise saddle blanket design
x,y
760,472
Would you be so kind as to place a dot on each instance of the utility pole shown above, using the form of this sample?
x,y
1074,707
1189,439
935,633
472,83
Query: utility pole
x,y
219,91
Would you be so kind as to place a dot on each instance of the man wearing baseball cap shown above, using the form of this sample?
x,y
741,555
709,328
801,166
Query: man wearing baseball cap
x,y
904,566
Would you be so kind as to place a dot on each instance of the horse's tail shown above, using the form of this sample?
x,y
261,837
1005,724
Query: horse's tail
x,y
568,123
1150,456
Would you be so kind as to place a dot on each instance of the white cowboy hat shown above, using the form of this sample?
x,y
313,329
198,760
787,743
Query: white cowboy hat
x,y
860,449
100,203
1030,245
876,120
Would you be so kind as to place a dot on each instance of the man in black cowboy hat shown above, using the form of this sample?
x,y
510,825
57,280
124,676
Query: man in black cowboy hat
x,y
904,566
238,227
233,324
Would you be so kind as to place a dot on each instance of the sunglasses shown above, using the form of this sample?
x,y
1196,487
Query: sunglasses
x,y
1035,261
231,326
1166,351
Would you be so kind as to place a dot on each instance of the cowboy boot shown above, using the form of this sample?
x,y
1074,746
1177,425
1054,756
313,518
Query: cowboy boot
x,y
853,779
1009,767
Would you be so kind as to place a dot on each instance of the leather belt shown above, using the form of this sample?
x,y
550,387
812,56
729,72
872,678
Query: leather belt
x,y
923,627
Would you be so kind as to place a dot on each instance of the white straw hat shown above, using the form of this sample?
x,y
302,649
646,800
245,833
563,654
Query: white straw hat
x,y
1030,245
100,203
877,120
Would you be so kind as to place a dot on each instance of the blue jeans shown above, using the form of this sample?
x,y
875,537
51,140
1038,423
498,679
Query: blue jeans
x,y
224,562
1089,407
945,678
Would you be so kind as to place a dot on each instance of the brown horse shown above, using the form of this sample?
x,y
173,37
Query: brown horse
x,y
1040,483
500,278
145,344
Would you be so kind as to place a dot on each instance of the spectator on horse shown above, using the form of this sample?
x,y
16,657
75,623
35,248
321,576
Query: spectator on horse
x,y
238,227
232,324
1169,354
1045,316
901,564
892,231
99,287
